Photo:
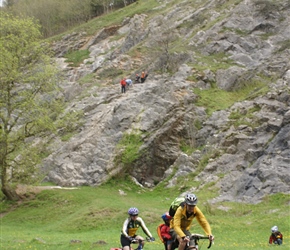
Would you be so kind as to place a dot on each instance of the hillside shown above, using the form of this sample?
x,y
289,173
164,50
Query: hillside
x,y
213,112
92,217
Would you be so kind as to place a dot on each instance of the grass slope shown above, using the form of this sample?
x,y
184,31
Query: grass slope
x,y
58,219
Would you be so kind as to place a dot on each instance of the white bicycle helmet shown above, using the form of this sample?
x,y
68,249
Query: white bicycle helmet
x,y
191,199
274,229
133,211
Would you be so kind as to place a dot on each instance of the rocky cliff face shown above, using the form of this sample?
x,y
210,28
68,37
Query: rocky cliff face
x,y
246,161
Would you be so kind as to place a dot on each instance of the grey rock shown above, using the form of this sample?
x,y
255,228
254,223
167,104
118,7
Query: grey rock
x,y
245,162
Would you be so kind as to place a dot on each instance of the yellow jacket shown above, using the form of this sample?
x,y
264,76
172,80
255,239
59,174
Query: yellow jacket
x,y
180,221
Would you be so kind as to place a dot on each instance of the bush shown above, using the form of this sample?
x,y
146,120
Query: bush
x,y
130,143
75,58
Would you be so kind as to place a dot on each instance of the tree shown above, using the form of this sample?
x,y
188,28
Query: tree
x,y
163,46
55,16
8,3
28,80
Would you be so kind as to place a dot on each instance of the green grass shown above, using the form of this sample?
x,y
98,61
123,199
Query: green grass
x,y
130,144
217,99
93,214
89,78
75,58
240,119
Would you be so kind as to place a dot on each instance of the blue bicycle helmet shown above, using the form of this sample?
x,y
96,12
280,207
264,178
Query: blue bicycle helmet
x,y
133,211
166,216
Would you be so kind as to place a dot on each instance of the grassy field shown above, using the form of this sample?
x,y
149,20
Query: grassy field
x,y
91,218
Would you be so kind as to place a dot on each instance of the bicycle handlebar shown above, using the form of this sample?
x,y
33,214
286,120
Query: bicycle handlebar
x,y
136,241
200,236
139,240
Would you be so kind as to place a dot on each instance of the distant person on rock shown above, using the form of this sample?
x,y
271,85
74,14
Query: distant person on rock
x,y
144,75
123,85
276,237
137,79
130,227
129,82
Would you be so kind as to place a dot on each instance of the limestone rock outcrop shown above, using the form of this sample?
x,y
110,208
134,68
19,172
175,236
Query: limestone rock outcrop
x,y
245,161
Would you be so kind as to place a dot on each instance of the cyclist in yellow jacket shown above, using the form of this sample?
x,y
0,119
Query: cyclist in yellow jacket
x,y
182,220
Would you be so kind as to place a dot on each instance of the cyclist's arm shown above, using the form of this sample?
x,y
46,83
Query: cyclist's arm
x,y
202,221
144,228
125,226
177,222
271,239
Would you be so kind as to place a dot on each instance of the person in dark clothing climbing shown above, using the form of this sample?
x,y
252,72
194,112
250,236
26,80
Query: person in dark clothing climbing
x,y
137,79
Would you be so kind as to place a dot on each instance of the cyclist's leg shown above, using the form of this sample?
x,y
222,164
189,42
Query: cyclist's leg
x,y
174,244
182,243
125,242
138,237
175,241
168,244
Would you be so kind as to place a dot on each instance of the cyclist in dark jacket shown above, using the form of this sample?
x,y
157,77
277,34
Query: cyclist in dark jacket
x,y
130,227
276,237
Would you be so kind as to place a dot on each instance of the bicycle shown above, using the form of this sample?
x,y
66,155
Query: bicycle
x,y
137,241
193,243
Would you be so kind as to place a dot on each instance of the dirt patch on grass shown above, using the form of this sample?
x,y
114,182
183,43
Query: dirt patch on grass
x,y
28,192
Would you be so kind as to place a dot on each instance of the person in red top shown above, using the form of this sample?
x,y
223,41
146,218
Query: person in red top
x,y
164,231
276,237
123,85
